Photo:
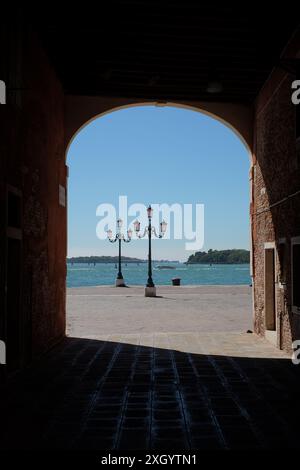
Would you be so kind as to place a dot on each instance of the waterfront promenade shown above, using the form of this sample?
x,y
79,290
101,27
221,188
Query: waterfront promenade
x,y
93,311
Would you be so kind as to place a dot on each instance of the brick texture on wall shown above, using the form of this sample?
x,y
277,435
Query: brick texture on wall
x,y
276,176
33,161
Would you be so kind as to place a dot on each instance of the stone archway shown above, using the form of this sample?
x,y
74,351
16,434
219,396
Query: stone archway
x,y
82,111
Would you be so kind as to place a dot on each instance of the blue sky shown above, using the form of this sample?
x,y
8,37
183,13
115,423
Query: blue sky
x,y
158,155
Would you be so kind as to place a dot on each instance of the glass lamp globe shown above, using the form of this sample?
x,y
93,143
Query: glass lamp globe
x,y
150,212
163,226
137,226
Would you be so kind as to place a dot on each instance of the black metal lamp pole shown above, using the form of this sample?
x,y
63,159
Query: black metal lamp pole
x,y
150,282
150,290
119,237
120,275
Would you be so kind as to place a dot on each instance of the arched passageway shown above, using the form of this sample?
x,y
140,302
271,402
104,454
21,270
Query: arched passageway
x,y
58,78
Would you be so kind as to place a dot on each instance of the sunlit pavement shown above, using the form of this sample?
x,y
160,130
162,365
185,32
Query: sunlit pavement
x,y
155,390
107,310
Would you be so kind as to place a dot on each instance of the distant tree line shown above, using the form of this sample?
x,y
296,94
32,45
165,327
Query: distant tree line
x,y
220,257
102,259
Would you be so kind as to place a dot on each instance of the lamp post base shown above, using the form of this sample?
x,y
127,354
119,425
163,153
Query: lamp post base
x,y
120,283
150,291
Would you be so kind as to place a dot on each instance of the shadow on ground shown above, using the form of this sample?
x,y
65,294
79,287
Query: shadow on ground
x,y
91,394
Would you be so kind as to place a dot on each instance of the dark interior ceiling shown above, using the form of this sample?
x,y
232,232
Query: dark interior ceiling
x,y
165,50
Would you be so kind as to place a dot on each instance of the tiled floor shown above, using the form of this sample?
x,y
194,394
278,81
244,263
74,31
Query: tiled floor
x,y
157,391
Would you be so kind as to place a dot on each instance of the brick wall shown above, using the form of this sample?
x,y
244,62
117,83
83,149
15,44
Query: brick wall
x,y
276,175
32,160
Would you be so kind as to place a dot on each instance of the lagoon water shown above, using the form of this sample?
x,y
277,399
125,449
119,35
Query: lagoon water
x,y
81,275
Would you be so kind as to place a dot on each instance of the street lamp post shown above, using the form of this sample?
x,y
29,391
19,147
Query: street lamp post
x,y
150,289
119,237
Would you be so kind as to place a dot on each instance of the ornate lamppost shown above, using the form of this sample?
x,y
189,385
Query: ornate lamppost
x,y
150,289
119,237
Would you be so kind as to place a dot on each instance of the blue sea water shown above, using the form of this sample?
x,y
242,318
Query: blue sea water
x,y
80,275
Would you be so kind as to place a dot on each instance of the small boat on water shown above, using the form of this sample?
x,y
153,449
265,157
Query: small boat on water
x,y
165,267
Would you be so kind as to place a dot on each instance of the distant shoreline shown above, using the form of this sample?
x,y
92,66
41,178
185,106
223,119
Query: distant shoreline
x,y
112,260
156,261
211,257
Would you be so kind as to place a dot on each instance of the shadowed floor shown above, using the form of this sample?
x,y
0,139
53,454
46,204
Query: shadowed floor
x,y
160,391
92,394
